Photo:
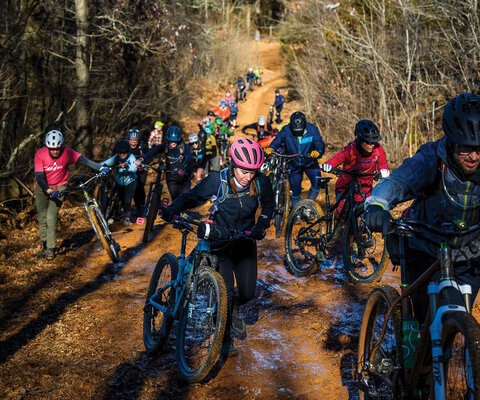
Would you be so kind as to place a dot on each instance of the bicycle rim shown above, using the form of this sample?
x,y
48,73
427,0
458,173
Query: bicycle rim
x,y
364,253
461,354
379,369
201,327
100,227
156,324
282,206
302,240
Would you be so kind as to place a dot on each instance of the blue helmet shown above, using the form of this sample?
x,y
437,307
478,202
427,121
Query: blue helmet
x,y
174,134
133,134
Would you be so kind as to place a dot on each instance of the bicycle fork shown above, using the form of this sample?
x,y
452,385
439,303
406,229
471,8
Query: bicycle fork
x,y
437,313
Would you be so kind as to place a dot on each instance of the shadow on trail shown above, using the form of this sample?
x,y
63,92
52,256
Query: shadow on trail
x,y
52,313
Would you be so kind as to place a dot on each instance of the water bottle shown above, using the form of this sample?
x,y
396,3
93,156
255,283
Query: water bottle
x,y
410,333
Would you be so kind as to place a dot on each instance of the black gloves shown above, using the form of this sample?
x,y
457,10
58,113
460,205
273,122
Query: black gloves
x,y
377,219
168,213
257,233
208,231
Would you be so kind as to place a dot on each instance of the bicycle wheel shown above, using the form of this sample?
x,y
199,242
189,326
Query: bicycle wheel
x,y
100,227
152,211
282,206
156,323
365,255
302,238
201,326
461,355
379,368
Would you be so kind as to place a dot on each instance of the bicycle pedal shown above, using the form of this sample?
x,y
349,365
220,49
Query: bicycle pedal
x,y
140,221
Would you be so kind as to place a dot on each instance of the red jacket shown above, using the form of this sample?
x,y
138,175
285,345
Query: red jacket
x,y
353,160
222,112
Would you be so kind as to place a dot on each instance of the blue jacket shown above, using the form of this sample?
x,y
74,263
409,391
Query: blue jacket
x,y
311,140
423,178
123,176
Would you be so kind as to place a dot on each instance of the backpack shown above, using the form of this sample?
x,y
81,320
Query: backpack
x,y
224,193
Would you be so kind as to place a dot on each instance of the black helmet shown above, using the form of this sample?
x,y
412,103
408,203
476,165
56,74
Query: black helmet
x,y
298,123
367,131
174,134
122,146
461,120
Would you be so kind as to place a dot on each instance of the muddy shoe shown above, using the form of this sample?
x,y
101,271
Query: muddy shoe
x,y
50,254
239,328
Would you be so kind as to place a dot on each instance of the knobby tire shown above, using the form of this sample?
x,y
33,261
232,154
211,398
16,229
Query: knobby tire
x,y
461,355
302,253
201,326
156,324
380,371
151,215
102,230
365,255
282,205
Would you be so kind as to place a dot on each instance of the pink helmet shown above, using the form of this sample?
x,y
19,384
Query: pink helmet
x,y
246,153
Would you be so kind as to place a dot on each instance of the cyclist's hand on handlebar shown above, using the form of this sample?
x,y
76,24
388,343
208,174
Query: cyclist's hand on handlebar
x,y
327,167
314,154
268,151
104,170
384,173
138,162
377,219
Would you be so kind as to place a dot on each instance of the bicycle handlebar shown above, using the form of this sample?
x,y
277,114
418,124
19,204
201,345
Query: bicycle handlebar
x,y
158,169
339,172
78,182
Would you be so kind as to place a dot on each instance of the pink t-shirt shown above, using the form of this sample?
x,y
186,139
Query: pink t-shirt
x,y
55,169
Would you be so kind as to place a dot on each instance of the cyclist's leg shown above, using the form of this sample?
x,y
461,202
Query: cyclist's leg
x,y
313,174
126,195
139,196
296,176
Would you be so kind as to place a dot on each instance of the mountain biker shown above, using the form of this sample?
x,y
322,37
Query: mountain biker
x,y
250,78
261,127
301,137
364,155
212,153
238,191
125,169
221,133
198,155
233,114
241,89
178,161
443,178
156,135
222,111
278,104
228,97
258,72
137,148
51,164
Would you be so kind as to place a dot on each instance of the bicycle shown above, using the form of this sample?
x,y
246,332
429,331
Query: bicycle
x,y
190,291
445,362
313,236
153,201
94,214
223,146
280,177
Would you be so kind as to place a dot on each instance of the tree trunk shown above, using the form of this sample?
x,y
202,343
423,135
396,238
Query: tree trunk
x,y
83,137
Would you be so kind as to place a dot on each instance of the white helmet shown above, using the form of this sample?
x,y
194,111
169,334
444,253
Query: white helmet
x,y
250,69
261,120
193,138
54,139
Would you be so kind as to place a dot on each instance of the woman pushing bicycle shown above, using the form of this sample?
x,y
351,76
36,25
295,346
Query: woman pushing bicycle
x,y
364,155
51,164
236,192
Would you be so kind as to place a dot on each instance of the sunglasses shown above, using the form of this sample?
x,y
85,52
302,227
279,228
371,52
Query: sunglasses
x,y
367,142
466,150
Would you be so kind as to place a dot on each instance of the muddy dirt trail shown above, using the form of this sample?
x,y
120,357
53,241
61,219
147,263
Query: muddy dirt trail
x,y
72,328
